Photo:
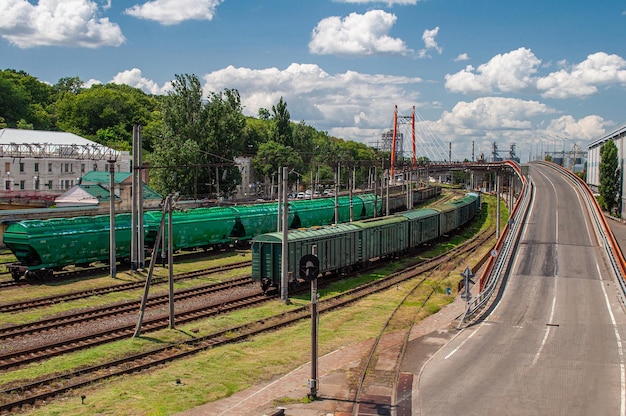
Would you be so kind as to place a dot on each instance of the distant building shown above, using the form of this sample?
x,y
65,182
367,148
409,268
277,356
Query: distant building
x,y
94,189
593,161
41,165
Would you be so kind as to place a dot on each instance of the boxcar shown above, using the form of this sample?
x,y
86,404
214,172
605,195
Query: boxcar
x,y
382,237
423,225
337,250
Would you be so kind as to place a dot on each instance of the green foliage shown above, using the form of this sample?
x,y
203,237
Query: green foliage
x,y
609,176
273,155
199,140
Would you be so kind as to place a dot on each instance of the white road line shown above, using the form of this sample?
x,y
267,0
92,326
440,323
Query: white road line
x,y
545,336
556,274
618,339
462,343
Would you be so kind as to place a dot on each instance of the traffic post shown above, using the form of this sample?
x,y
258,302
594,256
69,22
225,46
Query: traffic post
x,y
308,271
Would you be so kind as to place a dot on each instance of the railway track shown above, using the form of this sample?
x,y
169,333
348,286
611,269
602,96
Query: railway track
x,y
47,301
110,311
89,271
28,394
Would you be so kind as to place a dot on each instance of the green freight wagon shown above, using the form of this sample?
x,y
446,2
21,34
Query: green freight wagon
x,y
337,249
312,212
253,220
423,225
45,245
382,237
198,228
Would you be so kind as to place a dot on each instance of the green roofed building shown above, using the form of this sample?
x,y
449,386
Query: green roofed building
x,y
94,190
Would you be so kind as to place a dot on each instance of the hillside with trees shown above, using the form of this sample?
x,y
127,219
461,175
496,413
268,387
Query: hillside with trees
x,y
190,140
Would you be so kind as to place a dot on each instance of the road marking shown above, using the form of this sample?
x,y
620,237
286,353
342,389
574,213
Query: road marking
x,y
556,273
462,343
545,335
622,371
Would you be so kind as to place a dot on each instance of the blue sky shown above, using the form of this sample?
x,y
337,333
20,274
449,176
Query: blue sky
x,y
541,74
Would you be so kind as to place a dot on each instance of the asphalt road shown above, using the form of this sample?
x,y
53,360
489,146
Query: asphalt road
x,y
553,343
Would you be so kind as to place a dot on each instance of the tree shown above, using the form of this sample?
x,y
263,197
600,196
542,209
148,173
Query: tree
x,y
282,123
93,112
273,155
209,132
609,176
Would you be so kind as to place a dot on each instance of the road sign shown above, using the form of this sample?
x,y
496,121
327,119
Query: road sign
x,y
309,267
467,275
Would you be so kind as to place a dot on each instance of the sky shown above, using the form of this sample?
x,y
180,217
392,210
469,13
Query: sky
x,y
543,75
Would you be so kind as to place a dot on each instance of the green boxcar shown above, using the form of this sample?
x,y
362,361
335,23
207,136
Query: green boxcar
x,y
423,225
337,249
54,243
383,236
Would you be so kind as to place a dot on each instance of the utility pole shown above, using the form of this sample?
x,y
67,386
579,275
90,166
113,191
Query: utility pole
x,y
112,248
284,287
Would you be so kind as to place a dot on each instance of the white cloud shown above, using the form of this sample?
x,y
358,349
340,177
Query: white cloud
x,y
172,12
336,103
587,128
429,42
584,78
494,113
57,23
357,34
509,72
135,78
516,72
462,57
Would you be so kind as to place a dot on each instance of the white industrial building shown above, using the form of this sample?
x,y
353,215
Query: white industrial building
x,y
38,165
593,161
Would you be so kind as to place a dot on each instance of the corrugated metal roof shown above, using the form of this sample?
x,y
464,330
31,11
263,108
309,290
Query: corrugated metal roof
x,y
104,177
20,136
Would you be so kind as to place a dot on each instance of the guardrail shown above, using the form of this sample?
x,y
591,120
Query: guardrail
x,y
498,264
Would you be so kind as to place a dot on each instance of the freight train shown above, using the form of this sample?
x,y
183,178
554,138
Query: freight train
x,y
44,246
346,247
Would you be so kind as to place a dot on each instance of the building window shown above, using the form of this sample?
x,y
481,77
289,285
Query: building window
x,y
95,167
7,167
36,167
7,185
49,167
37,184
67,184
49,184
21,166
67,167
22,184
82,168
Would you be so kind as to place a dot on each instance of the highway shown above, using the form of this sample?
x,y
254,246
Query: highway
x,y
553,344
